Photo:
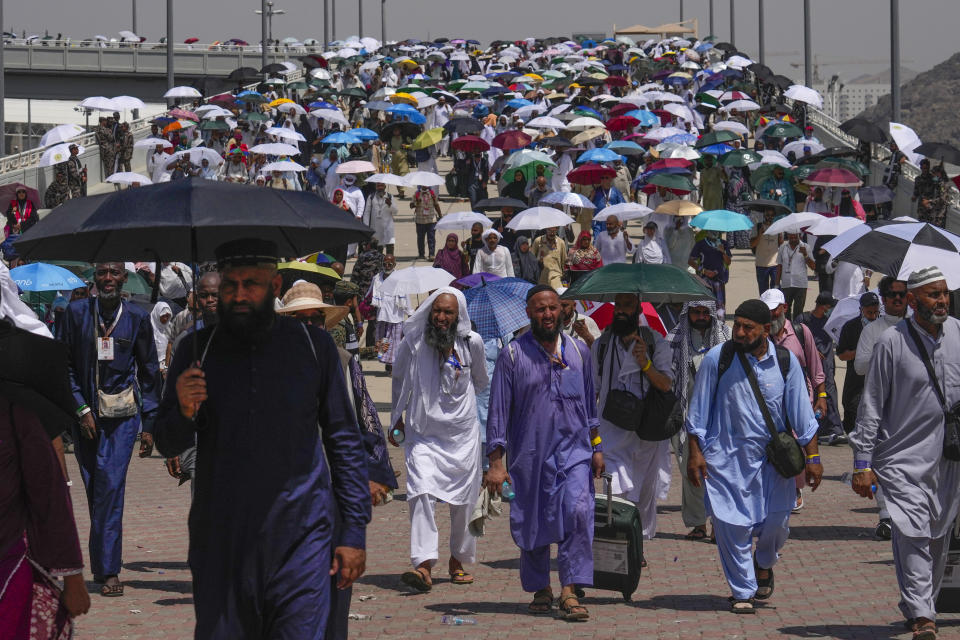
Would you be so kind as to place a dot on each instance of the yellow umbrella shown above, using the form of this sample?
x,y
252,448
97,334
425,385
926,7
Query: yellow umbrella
x,y
589,134
428,138
679,208
681,74
574,85
312,267
407,62
405,98
533,76
279,101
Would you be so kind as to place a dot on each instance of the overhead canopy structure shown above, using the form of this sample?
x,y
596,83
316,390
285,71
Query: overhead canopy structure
x,y
687,27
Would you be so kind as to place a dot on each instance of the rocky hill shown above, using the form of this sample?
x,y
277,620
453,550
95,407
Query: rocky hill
x,y
928,104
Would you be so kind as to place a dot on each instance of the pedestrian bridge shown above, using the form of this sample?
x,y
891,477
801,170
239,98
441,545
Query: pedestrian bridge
x,y
62,70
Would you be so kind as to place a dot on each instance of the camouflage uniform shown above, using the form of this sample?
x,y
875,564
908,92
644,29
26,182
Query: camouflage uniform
x,y
931,188
74,173
124,150
108,149
56,194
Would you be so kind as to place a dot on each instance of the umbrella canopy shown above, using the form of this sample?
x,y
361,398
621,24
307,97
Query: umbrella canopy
x,y
598,155
863,129
536,218
721,220
740,158
39,276
782,130
899,249
675,182
356,166
624,211
491,204
875,195
422,179
187,220
282,165
319,275
462,125
463,220
413,280
386,178
511,140
407,130
9,191
470,144
128,177
833,226
652,282
136,284
805,94
939,151
679,208
60,133
476,279
833,178
182,92
56,154
716,137
793,223
275,149
761,204
567,199
590,174
498,308
428,138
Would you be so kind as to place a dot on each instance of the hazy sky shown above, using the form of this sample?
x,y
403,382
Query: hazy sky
x,y
843,30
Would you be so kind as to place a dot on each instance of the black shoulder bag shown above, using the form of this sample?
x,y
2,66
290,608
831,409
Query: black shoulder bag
x,y
783,450
951,415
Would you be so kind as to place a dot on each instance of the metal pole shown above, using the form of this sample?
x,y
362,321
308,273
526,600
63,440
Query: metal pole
x,y
3,129
170,63
760,35
807,49
383,21
681,10
733,25
134,21
333,19
360,16
264,34
712,32
29,144
895,59
326,23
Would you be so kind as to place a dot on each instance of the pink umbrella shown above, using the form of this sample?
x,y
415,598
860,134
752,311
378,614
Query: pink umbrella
x,y
177,112
833,177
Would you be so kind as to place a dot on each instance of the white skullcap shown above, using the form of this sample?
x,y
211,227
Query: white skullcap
x,y
924,276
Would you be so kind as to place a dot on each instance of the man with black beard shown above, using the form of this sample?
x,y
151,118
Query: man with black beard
x,y
267,404
728,434
632,358
439,368
113,361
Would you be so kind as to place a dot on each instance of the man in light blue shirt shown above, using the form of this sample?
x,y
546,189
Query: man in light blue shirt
x,y
728,437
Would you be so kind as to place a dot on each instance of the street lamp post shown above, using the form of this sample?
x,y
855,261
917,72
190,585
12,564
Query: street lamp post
x,y
383,21
733,24
3,129
360,16
807,53
266,12
895,60
326,23
333,19
134,21
711,18
170,62
760,35
681,10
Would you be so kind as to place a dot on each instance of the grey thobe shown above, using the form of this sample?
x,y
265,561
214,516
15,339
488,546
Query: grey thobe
x,y
899,435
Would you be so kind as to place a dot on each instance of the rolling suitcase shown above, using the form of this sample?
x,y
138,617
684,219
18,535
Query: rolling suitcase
x,y
949,599
617,543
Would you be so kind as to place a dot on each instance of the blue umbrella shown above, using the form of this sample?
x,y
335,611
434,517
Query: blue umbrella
x,y
721,220
364,134
516,103
625,147
341,137
599,155
716,149
498,308
476,279
592,112
681,138
646,118
408,112
40,276
320,104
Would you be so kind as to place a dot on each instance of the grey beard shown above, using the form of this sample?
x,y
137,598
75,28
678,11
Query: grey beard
x,y
778,324
109,297
440,339
928,315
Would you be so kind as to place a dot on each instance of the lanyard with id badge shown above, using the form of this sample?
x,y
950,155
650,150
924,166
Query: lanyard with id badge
x,y
111,405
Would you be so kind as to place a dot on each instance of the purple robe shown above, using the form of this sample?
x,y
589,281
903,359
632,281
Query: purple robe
x,y
541,415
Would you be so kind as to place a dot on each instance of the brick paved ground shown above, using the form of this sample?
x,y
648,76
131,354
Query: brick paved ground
x,y
834,580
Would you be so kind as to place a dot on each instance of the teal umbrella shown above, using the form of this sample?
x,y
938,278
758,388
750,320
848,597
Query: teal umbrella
x,y
721,220
671,181
717,137
782,130
740,158
652,282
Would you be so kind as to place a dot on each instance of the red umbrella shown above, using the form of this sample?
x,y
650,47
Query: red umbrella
x,y
590,174
665,116
639,139
670,163
622,123
470,144
615,81
512,140
622,108
191,40
223,99
602,314
177,112
833,177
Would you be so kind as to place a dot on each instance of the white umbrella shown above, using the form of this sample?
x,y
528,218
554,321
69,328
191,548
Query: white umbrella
x,y
287,107
680,110
793,223
275,149
529,110
463,220
731,125
539,218
660,133
182,92
805,94
797,147
212,111
128,102
129,35
60,133
584,123
422,179
833,226
624,211
740,105
331,115
197,154
99,103
677,151
387,178
907,140
287,134
546,122
567,199
356,166
413,280
150,143
844,311
738,62
56,155
128,177
283,165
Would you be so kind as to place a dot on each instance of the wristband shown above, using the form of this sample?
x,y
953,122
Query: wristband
x,y
813,455
647,366
822,394
81,409
864,470
861,464
596,440
813,459
84,411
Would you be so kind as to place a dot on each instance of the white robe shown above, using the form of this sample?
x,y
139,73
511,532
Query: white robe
x,y
498,262
379,216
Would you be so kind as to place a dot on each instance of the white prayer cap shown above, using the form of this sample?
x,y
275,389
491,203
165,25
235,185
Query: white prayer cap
x,y
924,276
773,298
489,232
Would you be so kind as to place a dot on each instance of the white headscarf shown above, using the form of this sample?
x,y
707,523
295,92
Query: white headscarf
x,y
417,323
160,337
15,310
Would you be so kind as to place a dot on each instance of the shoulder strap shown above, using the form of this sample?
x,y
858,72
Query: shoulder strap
x,y
604,342
726,358
926,363
783,359
748,370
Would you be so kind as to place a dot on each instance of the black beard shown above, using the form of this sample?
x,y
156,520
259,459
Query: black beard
x,y
247,327
700,325
440,339
542,334
748,348
624,325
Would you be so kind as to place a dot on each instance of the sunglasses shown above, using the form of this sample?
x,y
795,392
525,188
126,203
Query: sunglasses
x,y
895,294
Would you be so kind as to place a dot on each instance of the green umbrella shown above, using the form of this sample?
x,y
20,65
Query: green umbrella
x,y
354,92
671,181
803,171
76,267
759,175
739,158
782,130
253,98
717,137
135,284
456,84
475,86
652,282
527,161
214,125
254,116
298,85
706,98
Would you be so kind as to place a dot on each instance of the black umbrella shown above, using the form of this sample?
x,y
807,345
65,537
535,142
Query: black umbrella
x,y
829,152
725,47
863,129
779,81
243,74
491,204
875,195
273,67
762,71
760,204
775,108
939,151
354,92
556,141
463,125
407,130
187,220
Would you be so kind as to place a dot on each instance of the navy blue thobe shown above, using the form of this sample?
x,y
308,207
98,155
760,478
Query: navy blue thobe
x,y
261,524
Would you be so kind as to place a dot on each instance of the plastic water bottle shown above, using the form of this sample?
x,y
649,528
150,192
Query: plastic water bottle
x,y
847,478
507,491
818,414
398,435
456,620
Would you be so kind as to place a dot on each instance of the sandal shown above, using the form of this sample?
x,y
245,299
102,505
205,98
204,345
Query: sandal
x,y
542,602
460,577
696,534
764,585
742,606
114,590
417,580
926,631
574,612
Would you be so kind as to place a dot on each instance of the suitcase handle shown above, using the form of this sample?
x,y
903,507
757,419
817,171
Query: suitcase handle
x,y
608,483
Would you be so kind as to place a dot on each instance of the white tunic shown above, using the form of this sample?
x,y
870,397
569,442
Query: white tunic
x,y
379,216
498,262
